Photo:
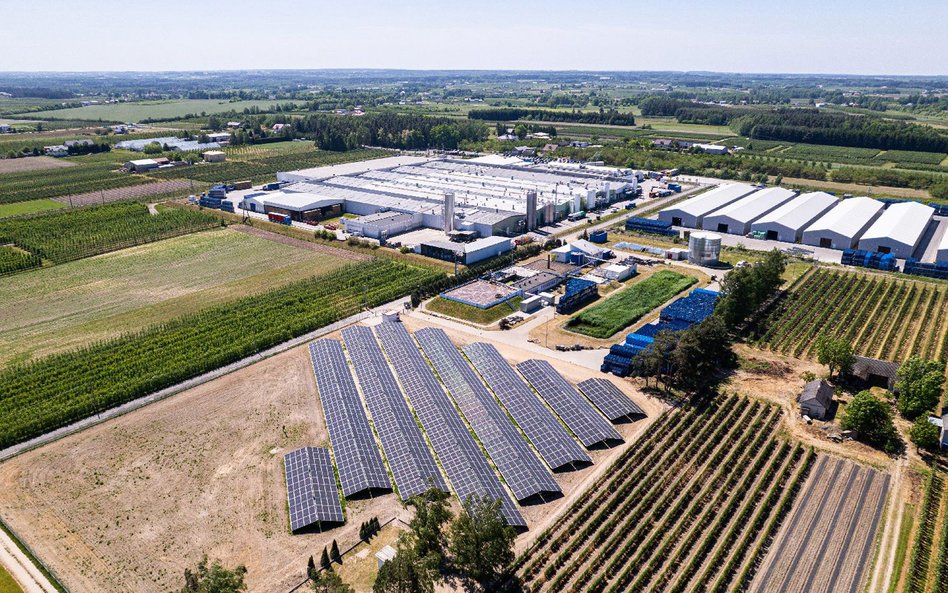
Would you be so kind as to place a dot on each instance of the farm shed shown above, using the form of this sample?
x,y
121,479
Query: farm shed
x,y
841,227
816,399
692,211
736,217
788,222
141,165
898,230
875,372
214,156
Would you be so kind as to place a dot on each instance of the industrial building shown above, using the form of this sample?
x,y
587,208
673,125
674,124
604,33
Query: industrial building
x,y
704,249
898,230
382,225
466,253
580,252
141,165
736,217
692,211
298,206
942,253
841,227
788,222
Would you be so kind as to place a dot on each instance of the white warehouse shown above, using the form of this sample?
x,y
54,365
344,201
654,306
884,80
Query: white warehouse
x,y
841,227
736,217
692,211
788,222
899,230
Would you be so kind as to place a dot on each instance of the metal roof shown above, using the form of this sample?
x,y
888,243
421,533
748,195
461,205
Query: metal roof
x,y
749,208
848,217
903,222
298,201
801,210
712,200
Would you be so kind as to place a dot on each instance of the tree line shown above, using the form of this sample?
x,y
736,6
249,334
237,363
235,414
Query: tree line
x,y
603,116
686,111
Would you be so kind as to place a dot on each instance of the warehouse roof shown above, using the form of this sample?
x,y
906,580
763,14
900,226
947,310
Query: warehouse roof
x,y
800,210
469,247
299,201
353,168
903,222
385,220
749,208
487,217
712,200
848,217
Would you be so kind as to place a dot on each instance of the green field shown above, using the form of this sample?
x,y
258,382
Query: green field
x,y
92,172
29,207
471,313
76,303
135,112
630,304
7,584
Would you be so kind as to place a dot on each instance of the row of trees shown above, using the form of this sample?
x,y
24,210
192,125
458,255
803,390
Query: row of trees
x,y
687,111
603,116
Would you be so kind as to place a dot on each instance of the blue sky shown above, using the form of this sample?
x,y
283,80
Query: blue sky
x,y
826,36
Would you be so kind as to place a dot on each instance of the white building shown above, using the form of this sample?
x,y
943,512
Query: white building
x,y
736,217
692,211
841,227
942,255
382,225
141,165
618,272
898,230
579,251
711,148
788,222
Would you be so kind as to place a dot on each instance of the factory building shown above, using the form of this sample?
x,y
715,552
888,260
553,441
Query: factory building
x,y
788,222
466,253
382,225
692,211
298,206
898,230
942,253
486,224
841,227
736,217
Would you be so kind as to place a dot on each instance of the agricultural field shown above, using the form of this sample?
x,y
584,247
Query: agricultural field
x,y
29,207
882,316
94,299
32,163
150,191
92,173
261,163
928,567
13,259
7,584
68,235
135,112
691,505
44,394
630,304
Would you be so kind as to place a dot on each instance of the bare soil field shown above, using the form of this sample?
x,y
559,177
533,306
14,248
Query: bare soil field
x,y
826,542
129,504
299,243
33,163
125,193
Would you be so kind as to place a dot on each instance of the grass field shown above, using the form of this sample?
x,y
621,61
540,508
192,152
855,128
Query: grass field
x,y
73,304
7,584
134,112
471,313
29,207
882,316
630,304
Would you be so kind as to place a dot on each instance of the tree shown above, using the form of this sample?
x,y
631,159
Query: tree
x,y
214,578
405,573
334,553
919,386
428,526
925,435
702,351
481,541
871,418
835,353
311,569
329,582
324,561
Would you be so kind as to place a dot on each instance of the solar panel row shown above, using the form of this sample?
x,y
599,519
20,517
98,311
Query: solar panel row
x,y
461,458
585,422
413,467
552,441
311,488
524,473
610,400
357,456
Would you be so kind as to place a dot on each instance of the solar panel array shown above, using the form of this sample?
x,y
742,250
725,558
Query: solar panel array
x,y
523,471
460,456
552,441
357,456
585,422
610,400
413,467
311,488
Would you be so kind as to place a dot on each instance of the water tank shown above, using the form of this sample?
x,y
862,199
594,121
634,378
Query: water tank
x,y
704,248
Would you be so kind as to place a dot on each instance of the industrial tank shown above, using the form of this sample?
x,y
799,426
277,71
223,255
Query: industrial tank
x,y
704,248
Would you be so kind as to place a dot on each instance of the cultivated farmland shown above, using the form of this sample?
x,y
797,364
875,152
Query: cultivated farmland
x,y
928,569
133,112
134,192
826,543
629,305
690,506
882,316
92,173
33,163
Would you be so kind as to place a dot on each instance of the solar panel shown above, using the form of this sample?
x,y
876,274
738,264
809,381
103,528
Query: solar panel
x,y
523,471
610,400
311,488
552,441
357,456
466,467
585,422
413,467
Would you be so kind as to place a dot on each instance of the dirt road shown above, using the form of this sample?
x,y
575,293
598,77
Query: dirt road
x,y
21,569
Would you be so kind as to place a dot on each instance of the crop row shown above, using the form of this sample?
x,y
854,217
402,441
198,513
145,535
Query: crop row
x,y
796,308
925,539
15,260
843,320
827,315
51,392
909,337
85,176
826,299
941,564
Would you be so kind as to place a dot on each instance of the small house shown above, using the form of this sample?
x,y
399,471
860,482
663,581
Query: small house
x,y
214,156
58,150
816,401
219,137
875,373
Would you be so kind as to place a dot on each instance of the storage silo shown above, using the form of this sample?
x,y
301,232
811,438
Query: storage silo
x,y
531,210
577,202
549,213
704,248
448,211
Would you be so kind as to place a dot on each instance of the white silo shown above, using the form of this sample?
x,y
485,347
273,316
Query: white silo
x,y
704,248
531,210
577,202
590,199
448,211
